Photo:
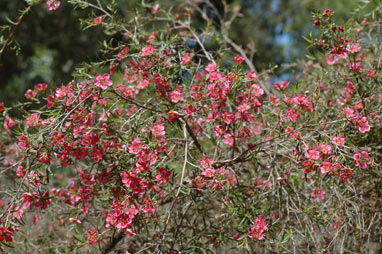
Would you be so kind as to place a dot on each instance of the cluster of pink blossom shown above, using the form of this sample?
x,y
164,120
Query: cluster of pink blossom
x,y
257,230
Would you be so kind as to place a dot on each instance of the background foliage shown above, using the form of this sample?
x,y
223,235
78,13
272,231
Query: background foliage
x,y
47,46
172,135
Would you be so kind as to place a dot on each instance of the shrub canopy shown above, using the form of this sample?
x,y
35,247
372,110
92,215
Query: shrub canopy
x,y
161,148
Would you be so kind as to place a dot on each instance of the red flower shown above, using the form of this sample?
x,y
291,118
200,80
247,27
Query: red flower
x,y
96,155
148,50
318,194
362,159
155,9
317,22
211,67
239,59
257,230
23,142
97,20
53,4
41,87
185,58
92,237
328,12
103,81
43,157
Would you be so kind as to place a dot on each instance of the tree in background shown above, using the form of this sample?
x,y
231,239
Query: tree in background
x,y
50,46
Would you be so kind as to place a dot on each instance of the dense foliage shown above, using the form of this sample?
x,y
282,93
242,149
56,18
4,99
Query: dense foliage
x,y
47,46
158,148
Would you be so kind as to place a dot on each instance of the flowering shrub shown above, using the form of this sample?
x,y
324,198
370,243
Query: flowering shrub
x,y
159,149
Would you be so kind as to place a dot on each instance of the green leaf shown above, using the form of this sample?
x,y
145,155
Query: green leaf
x,y
10,21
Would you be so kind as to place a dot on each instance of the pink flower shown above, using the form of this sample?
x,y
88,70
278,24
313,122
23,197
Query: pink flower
x,y
185,58
308,166
353,48
251,75
149,206
32,120
292,115
331,59
328,12
211,67
158,130
96,155
57,138
75,221
18,213
349,112
6,234
199,183
30,94
340,141
227,117
239,59
256,90
364,22
206,162
219,130
53,4
362,123
41,87
23,142
148,50
20,172
274,100
326,167
312,154
43,157
282,85
155,9
122,54
172,116
103,81
136,146
9,123
176,96
362,159
371,74
267,183
97,20
337,224
229,139
28,199
92,237
346,174
104,176
243,107
151,37
324,148
258,229
163,176
356,67
318,194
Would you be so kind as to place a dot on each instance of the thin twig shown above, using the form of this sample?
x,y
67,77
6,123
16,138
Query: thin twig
x,y
5,43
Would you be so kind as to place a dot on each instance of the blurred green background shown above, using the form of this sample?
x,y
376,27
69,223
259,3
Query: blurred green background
x,y
50,45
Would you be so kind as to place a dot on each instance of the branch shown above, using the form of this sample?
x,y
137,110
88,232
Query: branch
x,y
178,191
247,60
5,43
111,245
200,148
